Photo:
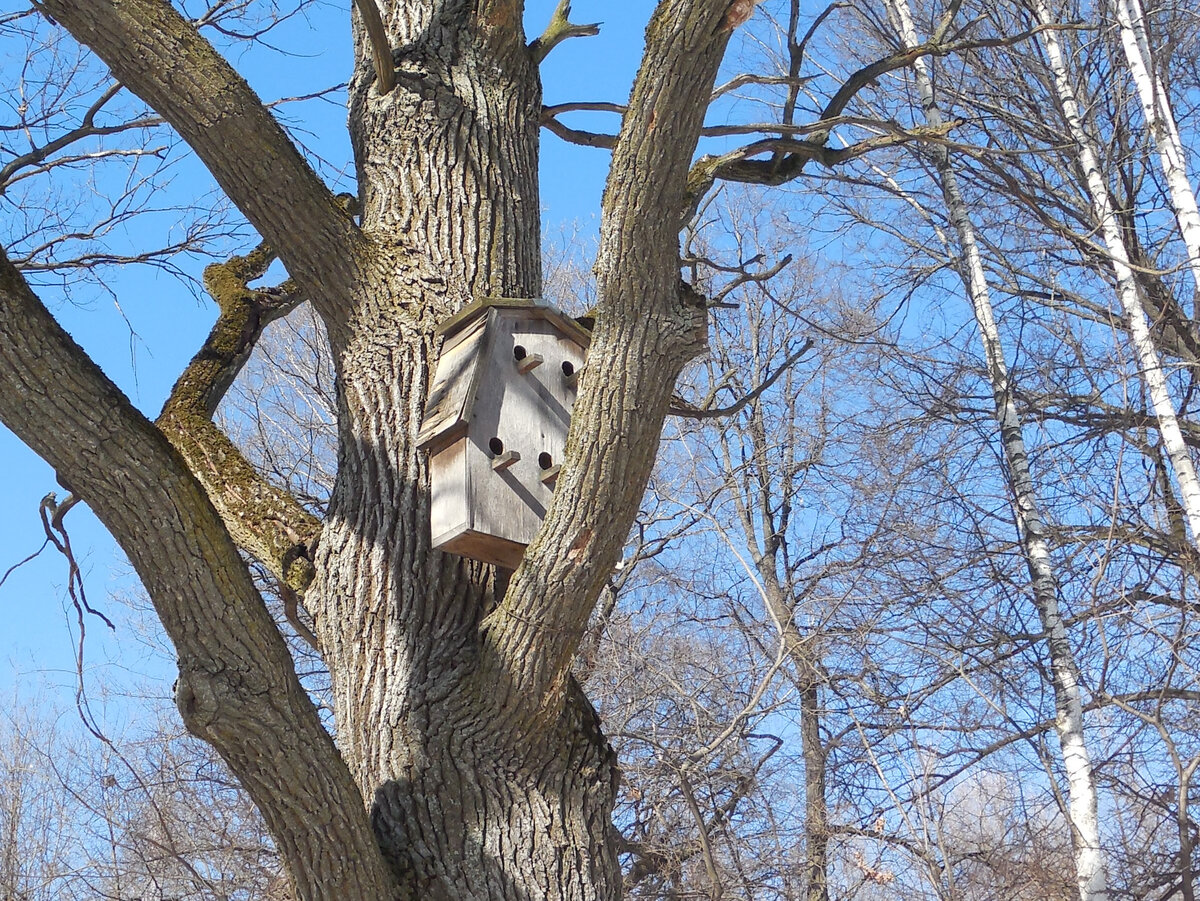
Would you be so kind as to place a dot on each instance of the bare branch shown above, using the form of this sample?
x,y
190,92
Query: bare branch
x,y
746,78
577,136
160,56
737,165
681,408
263,519
559,29
87,128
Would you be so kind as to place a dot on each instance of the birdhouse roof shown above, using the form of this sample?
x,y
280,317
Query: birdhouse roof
x,y
523,306
466,346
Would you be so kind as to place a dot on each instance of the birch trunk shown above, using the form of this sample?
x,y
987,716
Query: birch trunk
x,y
1089,860
1160,120
1127,291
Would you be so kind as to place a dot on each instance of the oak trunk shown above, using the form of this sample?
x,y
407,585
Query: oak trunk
x,y
463,806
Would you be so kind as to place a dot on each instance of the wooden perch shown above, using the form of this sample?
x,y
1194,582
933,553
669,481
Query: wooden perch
x,y
505,460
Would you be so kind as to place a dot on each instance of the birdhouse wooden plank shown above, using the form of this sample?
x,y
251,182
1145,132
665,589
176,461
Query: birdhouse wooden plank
x,y
495,424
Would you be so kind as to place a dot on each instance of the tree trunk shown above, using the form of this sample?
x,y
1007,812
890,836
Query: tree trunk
x,y
816,810
1160,121
1127,291
460,730
1089,860
766,539
464,808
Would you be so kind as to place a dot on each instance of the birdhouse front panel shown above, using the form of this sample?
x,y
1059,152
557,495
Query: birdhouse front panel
x,y
493,467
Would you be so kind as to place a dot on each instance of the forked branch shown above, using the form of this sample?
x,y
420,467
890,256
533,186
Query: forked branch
x,y
87,128
559,29
790,155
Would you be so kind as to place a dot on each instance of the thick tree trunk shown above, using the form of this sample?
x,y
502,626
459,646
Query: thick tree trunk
x,y
459,727
463,807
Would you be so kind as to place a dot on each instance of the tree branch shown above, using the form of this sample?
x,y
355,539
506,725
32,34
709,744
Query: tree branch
x,y
237,685
381,50
87,128
559,29
740,81
792,156
687,411
161,57
936,46
264,520
648,326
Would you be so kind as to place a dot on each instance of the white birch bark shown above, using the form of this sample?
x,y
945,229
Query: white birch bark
x,y
1089,860
1127,290
1160,120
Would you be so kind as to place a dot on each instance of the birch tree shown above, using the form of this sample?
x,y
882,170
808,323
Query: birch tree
x,y
1089,860
1160,122
1126,284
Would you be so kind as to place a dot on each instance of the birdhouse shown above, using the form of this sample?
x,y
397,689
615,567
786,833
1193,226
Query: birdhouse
x,y
495,424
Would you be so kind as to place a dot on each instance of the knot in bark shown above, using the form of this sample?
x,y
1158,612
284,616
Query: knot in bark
x,y
197,700
693,316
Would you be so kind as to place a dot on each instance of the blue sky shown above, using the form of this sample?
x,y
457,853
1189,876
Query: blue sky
x,y
144,332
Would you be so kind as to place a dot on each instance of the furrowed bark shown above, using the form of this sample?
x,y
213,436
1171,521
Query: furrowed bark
x,y
263,520
237,688
1127,290
161,57
1083,813
447,169
648,326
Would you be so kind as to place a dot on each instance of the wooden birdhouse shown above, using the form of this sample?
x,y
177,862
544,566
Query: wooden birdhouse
x,y
495,424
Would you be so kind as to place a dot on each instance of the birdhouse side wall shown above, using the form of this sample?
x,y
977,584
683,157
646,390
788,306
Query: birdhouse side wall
x,y
455,382
449,490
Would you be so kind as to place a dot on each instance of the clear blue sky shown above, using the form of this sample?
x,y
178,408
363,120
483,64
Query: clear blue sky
x,y
144,343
